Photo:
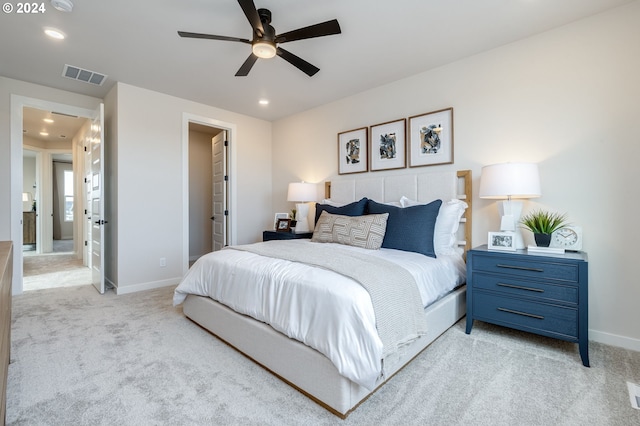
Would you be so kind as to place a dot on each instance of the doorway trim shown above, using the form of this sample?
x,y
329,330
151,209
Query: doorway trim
x,y
18,102
231,136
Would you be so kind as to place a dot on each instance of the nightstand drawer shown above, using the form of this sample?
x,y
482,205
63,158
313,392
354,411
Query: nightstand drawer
x,y
540,318
526,268
275,235
536,289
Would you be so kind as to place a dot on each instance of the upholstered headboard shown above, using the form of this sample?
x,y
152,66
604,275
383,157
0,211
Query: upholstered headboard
x,y
423,187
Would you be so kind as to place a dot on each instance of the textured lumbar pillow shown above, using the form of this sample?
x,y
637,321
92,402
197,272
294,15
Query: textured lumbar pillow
x,y
359,231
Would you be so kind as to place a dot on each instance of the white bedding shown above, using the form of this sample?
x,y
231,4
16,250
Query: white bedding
x,y
325,310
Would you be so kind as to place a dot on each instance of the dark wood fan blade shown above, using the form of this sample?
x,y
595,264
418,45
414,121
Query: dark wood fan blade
x,y
297,62
317,30
212,37
250,11
246,67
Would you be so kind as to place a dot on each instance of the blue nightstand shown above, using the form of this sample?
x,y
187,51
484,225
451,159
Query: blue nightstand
x,y
543,294
275,235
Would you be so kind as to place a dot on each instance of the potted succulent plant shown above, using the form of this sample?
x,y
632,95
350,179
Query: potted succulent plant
x,y
543,224
292,216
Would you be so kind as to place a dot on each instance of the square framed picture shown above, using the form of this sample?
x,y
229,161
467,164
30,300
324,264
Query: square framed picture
x,y
431,138
505,241
283,225
388,145
279,216
352,151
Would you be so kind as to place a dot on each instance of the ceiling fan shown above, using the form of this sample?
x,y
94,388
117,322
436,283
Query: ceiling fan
x,y
264,43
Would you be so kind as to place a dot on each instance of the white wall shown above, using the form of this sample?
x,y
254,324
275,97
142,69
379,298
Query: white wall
x,y
29,181
146,139
566,99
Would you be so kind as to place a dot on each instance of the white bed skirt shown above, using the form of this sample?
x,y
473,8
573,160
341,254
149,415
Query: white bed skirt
x,y
303,367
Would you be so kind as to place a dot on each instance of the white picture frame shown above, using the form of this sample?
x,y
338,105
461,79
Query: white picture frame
x,y
277,217
502,241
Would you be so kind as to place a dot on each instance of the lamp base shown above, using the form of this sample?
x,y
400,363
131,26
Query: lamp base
x,y
302,224
510,212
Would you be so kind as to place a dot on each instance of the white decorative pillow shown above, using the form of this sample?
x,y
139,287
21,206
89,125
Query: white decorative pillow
x,y
447,223
359,231
332,203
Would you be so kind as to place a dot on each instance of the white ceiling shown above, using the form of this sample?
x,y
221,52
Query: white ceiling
x,y
59,128
135,42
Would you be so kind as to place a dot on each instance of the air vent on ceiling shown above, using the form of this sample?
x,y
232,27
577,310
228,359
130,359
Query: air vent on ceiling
x,y
80,74
62,113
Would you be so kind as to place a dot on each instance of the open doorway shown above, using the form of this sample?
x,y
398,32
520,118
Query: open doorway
x,y
52,200
208,190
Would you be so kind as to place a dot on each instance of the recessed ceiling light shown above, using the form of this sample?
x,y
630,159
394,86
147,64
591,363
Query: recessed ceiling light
x,y
62,5
54,33
263,102
44,134
47,120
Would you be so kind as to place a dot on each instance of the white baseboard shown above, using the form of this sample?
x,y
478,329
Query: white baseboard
x,y
147,286
615,340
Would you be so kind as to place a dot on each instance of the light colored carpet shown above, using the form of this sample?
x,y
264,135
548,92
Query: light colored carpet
x,y
53,270
79,358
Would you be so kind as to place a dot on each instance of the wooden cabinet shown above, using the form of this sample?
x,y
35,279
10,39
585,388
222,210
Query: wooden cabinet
x,y
28,227
542,294
6,268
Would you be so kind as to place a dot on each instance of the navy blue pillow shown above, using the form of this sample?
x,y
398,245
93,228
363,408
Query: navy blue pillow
x,y
409,228
353,209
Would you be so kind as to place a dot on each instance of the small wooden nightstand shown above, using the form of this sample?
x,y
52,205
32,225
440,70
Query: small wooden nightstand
x,y
275,235
543,294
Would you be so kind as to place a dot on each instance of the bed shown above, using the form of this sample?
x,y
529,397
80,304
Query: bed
x,y
290,342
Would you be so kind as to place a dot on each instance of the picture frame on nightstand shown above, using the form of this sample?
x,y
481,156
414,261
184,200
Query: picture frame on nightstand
x,y
503,241
283,225
279,216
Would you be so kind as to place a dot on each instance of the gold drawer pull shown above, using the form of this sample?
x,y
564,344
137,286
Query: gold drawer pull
x,y
519,287
521,313
523,268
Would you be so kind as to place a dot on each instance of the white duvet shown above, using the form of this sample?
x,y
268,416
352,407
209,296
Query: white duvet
x,y
325,310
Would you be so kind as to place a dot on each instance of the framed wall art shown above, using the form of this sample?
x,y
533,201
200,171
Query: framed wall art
x,y
431,138
388,145
352,151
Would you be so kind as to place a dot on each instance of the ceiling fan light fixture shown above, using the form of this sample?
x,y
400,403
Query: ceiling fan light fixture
x,y
264,49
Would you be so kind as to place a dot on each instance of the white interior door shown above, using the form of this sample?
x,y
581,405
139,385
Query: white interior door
x,y
87,191
96,204
220,182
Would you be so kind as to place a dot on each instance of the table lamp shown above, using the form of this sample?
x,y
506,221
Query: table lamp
x,y
510,180
302,193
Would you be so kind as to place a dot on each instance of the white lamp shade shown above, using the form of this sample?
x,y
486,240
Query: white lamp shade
x,y
510,180
26,197
302,191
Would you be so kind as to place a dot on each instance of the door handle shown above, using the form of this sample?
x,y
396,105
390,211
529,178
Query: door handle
x,y
101,222
213,218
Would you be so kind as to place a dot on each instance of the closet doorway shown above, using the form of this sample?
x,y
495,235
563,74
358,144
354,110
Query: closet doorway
x,y
208,190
